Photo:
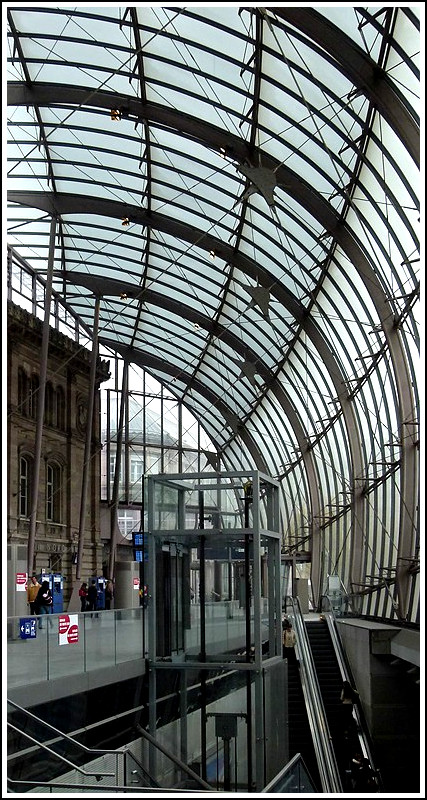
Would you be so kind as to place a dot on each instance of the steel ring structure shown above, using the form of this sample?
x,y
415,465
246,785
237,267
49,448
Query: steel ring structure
x,y
236,190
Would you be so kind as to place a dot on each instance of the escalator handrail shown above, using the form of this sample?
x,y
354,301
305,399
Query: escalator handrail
x,y
337,644
328,768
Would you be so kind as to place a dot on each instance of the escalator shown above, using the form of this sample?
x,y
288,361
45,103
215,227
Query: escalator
x,y
304,687
299,733
330,682
346,738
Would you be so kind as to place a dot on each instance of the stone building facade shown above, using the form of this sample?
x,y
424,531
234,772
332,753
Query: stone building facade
x,y
62,450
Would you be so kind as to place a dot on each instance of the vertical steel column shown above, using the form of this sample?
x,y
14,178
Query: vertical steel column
x,y
278,598
142,564
248,495
152,625
115,498
272,588
183,715
41,399
202,656
259,693
88,442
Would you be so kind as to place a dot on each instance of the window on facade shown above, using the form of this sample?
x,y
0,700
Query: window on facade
x,y
24,487
112,468
22,392
128,520
55,563
49,406
53,493
136,470
33,396
60,408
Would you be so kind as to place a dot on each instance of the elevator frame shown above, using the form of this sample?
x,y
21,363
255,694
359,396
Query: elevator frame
x,y
263,497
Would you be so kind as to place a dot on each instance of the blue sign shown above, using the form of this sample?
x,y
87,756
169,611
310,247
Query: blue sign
x,y
140,552
28,628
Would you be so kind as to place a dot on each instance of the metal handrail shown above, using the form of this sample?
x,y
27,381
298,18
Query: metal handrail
x,y
61,734
173,758
337,644
322,740
98,775
104,788
119,752
295,762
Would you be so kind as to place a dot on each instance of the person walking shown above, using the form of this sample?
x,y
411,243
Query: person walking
x,y
92,597
348,697
109,594
44,601
32,592
83,596
289,641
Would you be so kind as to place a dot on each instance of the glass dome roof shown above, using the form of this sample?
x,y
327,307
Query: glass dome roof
x,y
238,188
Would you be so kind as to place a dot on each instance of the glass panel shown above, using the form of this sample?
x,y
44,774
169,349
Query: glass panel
x,y
128,634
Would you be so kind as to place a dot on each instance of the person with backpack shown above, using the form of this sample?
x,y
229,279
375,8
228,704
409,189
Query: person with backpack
x,y
44,602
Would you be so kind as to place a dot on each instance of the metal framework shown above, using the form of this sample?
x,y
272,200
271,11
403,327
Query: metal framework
x,y
236,191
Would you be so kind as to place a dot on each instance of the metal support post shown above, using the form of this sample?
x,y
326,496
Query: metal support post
x,y
88,442
40,401
115,498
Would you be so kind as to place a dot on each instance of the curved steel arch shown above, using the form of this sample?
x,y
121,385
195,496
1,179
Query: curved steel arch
x,y
101,287
360,69
363,72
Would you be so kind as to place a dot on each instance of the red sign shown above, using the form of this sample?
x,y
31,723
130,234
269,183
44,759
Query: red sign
x,y
68,628
63,624
73,634
21,581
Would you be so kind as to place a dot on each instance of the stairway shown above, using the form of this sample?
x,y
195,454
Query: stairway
x,y
300,739
330,683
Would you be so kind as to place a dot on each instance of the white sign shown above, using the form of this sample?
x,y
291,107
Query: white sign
x,y
21,581
68,628
136,583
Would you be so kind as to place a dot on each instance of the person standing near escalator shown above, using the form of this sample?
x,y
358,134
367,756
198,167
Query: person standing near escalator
x,y
289,641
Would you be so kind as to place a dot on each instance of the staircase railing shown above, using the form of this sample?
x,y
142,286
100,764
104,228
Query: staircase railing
x,y
121,758
322,740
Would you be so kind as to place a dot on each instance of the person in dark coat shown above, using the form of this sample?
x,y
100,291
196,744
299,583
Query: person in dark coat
x,y
44,601
109,593
92,597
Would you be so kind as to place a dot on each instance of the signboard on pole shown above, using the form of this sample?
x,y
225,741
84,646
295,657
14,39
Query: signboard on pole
x,y
68,629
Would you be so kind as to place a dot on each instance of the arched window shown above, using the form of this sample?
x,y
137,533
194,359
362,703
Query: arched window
x,y
53,492
33,396
25,476
22,391
50,405
60,408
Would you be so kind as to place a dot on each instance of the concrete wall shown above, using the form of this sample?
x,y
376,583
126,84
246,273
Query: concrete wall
x,y
389,696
